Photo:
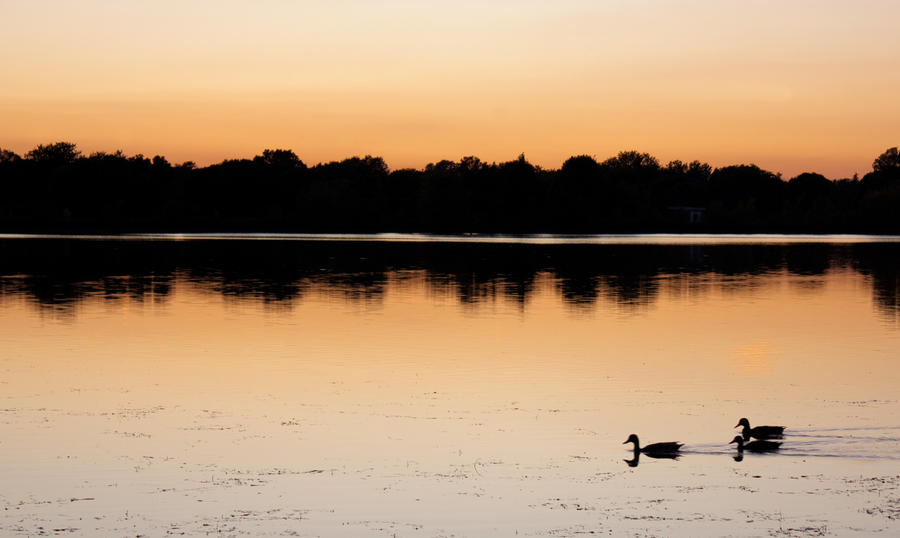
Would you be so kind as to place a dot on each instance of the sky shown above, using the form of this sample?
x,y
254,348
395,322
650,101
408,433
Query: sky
x,y
792,86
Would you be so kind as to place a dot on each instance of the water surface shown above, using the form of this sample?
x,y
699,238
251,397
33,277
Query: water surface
x,y
434,388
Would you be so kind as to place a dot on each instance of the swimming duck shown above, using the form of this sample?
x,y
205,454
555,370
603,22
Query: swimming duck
x,y
760,432
755,446
657,450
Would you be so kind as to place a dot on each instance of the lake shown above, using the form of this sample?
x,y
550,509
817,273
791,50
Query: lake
x,y
439,386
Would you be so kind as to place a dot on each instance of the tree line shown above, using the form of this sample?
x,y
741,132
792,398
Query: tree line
x,y
54,188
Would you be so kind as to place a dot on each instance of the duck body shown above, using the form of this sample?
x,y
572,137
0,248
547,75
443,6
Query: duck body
x,y
755,446
654,449
760,432
661,448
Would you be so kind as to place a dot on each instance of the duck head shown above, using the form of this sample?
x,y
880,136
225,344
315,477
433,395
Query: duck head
x,y
743,422
631,439
739,440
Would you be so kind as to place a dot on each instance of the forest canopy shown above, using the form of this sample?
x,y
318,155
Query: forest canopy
x,y
55,188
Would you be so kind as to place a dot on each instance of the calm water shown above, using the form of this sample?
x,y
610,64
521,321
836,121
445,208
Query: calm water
x,y
408,387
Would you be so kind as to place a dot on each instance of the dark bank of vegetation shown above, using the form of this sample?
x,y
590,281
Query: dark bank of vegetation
x,y
53,188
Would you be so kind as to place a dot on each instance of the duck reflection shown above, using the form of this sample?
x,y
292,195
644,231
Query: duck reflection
x,y
755,446
636,459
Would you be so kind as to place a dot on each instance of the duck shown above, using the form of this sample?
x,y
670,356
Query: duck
x,y
760,432
655,450
755,446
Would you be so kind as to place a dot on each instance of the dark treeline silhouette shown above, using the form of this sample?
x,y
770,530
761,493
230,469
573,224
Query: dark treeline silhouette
x,y
53,188
60,273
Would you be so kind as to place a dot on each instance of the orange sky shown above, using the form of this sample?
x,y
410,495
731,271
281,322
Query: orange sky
x,y
791,86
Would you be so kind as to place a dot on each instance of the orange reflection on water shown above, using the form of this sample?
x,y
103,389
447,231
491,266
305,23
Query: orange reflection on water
x,y
706,334
409,399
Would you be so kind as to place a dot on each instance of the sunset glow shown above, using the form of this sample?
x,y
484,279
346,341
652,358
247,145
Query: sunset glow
x,y
792,87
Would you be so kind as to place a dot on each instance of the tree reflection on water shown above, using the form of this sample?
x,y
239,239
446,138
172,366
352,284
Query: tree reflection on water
x,y
60,273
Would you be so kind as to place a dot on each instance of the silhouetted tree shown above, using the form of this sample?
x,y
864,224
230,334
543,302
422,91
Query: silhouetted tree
x,y
633,176
282,158
582,166
578,194
101,155
889,161
55,153
880,194
745,197
514,192
682,185
472,164
695,169
809,184
810,203
7,156
632,160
